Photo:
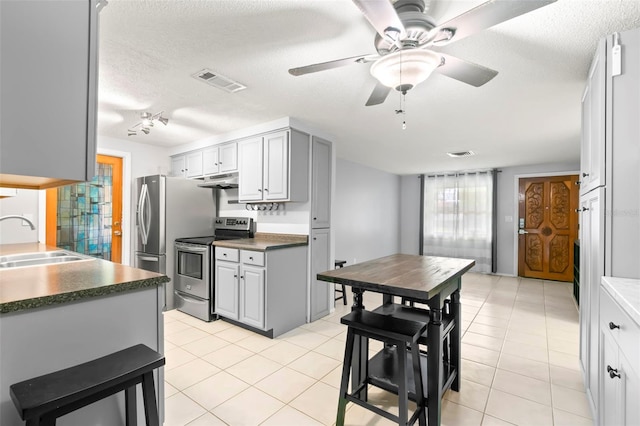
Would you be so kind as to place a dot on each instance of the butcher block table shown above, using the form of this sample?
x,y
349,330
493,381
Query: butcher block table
x,y
424,279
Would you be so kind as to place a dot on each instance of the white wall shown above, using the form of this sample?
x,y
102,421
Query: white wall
x,y
507,199
366,212
11,230
410,215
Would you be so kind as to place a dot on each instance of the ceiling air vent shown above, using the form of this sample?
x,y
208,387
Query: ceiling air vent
x,y
461,154
216,80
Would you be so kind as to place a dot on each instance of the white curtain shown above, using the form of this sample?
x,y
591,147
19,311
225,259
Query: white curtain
x,y
458,217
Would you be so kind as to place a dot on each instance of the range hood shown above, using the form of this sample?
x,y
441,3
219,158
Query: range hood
x,y
220,181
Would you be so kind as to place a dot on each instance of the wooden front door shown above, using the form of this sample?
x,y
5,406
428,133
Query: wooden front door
x,y
547,227
87,217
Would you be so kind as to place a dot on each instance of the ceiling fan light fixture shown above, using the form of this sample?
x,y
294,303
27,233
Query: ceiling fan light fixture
x,y
405,69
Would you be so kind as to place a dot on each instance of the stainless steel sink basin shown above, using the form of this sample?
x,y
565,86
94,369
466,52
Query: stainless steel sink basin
x,y
41,258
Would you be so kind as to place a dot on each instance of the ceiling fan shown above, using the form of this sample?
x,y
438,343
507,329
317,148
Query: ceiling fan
x,y
405,38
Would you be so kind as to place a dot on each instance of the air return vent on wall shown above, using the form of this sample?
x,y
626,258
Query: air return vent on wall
x,y
461,154
216,80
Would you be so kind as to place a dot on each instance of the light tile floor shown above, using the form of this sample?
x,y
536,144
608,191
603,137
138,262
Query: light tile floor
x,y
519,366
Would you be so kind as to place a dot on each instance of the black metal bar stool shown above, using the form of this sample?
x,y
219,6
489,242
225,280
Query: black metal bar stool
x,y
340,264
397,368
41,400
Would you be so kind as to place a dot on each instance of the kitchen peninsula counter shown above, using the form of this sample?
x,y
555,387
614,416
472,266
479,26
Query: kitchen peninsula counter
x,y
264,241
33,287
59,315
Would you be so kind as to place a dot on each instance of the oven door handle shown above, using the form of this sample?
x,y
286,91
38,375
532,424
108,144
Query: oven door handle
x,y
189,298
191,248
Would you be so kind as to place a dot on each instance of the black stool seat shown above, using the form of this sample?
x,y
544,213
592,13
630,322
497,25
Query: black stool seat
x,y
42,399
412,313
405,364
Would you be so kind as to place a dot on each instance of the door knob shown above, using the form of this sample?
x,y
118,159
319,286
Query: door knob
x,y
522,232
118,233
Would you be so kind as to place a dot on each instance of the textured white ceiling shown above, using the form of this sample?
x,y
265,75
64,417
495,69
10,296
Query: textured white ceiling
x,y
528,114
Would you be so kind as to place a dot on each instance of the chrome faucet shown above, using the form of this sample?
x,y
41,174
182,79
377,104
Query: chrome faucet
x,y
15,216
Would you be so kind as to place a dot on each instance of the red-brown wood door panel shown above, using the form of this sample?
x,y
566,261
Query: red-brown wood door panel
x,y
548,226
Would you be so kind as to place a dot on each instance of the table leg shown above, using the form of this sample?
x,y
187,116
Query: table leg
x,y
434,365
360,350
455,338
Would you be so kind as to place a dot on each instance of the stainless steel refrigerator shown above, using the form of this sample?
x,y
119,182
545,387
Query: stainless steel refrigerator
x,y
169,208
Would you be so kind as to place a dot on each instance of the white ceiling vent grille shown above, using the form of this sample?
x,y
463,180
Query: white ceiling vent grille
x,y
461,154
216,80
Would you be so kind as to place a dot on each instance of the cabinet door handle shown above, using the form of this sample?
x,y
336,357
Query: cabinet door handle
x,y
224,254
613,373
578,182
613,326
235,276
259,190
266,190
583,209
585,174
242,277
315,218
250,258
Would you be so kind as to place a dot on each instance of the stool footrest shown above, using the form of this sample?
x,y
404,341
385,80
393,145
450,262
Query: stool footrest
x,y
82,384
385,326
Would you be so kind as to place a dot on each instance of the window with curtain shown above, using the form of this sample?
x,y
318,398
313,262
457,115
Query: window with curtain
x,y
458,217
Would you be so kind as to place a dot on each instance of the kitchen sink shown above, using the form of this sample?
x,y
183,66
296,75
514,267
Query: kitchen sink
x,y
41,258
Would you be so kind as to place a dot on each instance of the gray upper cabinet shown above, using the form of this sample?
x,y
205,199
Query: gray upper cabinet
x,y
592,155
48,70
320,183
274,167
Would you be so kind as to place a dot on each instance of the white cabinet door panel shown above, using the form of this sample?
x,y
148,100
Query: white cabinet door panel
x,y
276,166
226,289
250,169
252,296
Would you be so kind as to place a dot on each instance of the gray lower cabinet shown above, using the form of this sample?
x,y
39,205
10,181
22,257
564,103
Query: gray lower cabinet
x,y
265,291
320,300
619,365
226,289
252,296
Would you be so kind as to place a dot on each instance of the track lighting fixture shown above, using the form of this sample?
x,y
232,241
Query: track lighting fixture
x,y
147,122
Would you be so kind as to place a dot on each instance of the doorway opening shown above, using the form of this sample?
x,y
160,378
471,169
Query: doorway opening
x,y
547,226
87,217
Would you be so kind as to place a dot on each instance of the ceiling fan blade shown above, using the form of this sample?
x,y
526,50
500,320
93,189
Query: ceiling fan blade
x,y
332,64
464,71
382,16
487,15
379,94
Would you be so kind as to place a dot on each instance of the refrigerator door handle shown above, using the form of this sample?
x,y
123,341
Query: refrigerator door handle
x,y
142,221
147,215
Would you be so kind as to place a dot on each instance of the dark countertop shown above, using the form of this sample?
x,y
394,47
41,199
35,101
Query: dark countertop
x,y
265,242
419,277
36,286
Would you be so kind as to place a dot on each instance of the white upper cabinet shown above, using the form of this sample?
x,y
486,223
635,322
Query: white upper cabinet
x,y
48,67
592,151
228,157
179,166
320,183
220,159
210,161
274,167
250,169
194,164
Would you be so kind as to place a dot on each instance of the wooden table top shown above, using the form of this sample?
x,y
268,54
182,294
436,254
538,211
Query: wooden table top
x,y
420,277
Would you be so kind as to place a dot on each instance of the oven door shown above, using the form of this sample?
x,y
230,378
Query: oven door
x,y
193,270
